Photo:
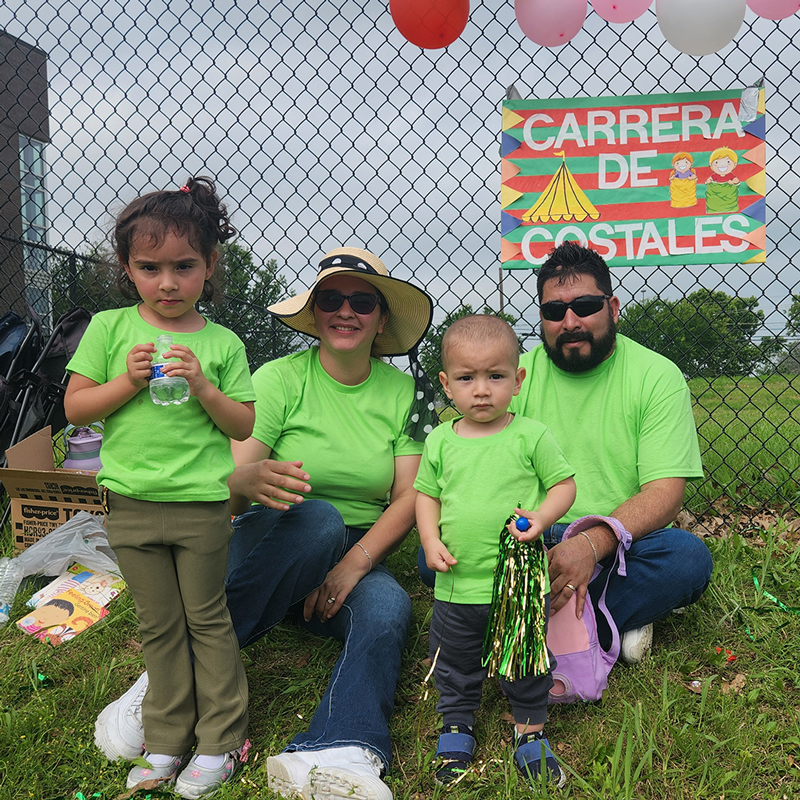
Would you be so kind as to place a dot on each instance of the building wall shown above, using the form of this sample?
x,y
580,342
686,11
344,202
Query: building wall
x,y
23,110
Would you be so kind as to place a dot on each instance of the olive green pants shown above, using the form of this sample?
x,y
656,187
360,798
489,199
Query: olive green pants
x,y
173,557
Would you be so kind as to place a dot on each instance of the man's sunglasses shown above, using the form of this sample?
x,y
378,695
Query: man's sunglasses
x,y
585,306
331,300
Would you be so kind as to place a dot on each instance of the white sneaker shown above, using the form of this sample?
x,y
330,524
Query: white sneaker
x,y
287,773
636,644
198,780
118,731
159,768
335,783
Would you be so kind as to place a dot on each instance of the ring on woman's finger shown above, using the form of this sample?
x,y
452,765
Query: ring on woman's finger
x,y
331,600
569,586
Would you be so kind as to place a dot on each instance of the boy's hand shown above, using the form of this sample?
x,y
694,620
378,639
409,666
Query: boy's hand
x,y
138,364
188,367
438,557
536,529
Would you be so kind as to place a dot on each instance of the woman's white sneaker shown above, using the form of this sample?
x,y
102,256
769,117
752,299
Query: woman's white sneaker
x,y
118,730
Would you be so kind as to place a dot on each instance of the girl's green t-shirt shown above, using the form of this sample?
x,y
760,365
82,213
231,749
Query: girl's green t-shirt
x,y
159,453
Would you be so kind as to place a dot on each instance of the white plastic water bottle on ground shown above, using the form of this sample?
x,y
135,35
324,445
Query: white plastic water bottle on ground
x,y
10,579
166,390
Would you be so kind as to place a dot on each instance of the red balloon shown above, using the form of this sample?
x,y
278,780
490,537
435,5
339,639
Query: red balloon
x,y
430,23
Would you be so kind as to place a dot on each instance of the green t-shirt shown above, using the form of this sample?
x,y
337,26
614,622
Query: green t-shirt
x,y
346,436
624,423
479,483
163,453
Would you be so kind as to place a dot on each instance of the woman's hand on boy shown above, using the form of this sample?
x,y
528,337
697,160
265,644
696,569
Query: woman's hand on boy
x,y
138,364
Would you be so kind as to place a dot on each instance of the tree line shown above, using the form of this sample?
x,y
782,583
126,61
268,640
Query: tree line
x,y
706,333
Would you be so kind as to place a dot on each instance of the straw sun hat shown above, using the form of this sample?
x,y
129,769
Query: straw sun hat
x,y
410,309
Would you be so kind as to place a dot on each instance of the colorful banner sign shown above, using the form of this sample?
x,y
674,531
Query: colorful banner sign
x,y
651,180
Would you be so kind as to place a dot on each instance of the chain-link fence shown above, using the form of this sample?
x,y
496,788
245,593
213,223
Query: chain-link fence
x,y
323,127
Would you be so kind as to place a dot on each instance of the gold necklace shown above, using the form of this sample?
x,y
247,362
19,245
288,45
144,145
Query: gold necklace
x,y
509,417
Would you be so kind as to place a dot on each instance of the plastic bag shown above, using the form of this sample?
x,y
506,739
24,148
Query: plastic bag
x,y
82,539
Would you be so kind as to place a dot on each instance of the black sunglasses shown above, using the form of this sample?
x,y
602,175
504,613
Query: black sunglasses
x,y
585,306
331,300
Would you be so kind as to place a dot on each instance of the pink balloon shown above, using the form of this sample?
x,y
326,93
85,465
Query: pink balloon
x,y
774,9
549,23
621,10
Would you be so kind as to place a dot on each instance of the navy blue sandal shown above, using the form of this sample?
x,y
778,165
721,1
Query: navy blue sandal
x,y
533,750
455,749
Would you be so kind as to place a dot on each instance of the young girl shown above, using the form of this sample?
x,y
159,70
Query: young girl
x,y
164,478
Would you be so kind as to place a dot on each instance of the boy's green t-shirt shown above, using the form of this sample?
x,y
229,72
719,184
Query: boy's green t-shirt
x,y
346,436
479,483
169,453
622,424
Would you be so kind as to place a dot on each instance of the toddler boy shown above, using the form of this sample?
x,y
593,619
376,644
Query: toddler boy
x,y
474,471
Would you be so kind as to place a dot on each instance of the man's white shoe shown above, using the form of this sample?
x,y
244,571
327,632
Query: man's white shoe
x,y
118,731
636,644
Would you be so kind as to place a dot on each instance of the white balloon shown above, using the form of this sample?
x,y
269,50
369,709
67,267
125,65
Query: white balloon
x,y
700,27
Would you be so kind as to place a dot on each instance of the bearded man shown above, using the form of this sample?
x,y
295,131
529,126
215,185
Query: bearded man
x,y
622,415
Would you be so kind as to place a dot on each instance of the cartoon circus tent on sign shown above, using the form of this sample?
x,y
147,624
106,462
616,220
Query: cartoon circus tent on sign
x,y
646,180
563,200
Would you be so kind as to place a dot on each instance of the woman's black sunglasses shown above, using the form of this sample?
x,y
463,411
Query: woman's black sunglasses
x,y
585,306
331,300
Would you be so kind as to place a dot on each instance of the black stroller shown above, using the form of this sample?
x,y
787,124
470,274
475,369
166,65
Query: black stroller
x,y
33,375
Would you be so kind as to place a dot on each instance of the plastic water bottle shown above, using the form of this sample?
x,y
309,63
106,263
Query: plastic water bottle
x,y
166,390
10,579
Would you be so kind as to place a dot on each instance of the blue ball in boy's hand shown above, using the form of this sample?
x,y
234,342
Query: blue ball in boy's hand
x,y
523,524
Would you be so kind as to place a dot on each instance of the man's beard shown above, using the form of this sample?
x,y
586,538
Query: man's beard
x,y
599,348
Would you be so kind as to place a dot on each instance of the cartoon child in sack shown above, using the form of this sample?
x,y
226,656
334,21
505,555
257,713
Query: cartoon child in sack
x,y
722,188
682,181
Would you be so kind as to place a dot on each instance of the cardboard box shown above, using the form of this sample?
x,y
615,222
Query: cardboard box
x,y
42,497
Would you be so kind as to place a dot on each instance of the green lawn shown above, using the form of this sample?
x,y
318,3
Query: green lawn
x,y
749,432
687,723
652,737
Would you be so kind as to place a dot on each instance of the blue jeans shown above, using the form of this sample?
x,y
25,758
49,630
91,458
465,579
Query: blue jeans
x,y
276,559
668,568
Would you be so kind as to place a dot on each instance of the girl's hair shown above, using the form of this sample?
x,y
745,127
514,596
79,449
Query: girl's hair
x,y
194,211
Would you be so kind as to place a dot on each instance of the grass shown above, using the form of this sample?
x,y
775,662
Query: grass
x,y
680,725
687,723
749,432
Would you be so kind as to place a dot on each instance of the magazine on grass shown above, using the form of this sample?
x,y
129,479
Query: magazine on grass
x,y
70,604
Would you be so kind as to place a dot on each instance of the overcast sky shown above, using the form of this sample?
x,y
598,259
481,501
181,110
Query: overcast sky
x,y
336,130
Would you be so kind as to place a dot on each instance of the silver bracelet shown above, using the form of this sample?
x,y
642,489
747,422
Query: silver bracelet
x,y
594,549
358,544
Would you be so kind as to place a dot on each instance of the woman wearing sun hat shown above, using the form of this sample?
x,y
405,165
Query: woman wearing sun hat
x,y
347,431
329,471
